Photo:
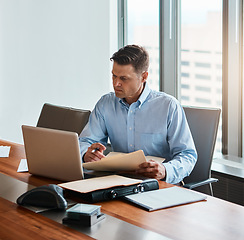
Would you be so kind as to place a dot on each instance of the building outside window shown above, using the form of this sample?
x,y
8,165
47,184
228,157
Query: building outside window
x,y
143,29
201,49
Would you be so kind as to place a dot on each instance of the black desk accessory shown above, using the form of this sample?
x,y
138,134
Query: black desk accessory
x,y
49,196
120,191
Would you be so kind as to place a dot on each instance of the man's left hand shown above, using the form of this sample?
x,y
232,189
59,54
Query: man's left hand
x,y
152,169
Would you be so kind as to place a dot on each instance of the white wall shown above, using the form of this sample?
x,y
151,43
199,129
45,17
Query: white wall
x,y
54,51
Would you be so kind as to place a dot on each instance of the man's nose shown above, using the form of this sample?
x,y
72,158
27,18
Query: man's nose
x,y
117,83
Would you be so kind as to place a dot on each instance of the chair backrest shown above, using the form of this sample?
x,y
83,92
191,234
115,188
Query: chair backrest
x,y
203,123
63,118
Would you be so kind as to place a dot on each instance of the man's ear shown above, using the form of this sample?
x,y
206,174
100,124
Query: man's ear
x,y
144,76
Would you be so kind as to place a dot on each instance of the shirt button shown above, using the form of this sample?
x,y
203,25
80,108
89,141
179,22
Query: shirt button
x,y
131,111
130,145
130,128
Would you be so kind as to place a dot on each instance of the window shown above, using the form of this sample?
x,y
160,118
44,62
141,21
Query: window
x,y
203,77
185,63
199,56
186,86
203,89
201,36
200,45
202,65
183,74
143,29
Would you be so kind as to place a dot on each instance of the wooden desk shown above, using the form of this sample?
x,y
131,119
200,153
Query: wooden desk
x,y
19,223
211,219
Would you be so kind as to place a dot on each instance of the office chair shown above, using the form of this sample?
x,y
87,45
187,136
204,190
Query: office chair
x,y
203,123
63,118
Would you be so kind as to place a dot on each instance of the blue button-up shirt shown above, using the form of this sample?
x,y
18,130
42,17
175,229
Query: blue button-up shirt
x,y
155,123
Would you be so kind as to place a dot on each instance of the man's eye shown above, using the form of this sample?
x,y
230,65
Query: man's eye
x,y
123,79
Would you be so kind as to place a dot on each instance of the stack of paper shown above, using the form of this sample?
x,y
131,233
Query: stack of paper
x,y
115,161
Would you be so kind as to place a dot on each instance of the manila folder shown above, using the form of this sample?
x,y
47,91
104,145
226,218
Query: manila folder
x,y
118,162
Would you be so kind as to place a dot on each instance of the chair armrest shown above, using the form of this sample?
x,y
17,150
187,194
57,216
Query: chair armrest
x,y
200,183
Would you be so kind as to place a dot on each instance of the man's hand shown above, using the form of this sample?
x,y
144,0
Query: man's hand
x,y
94,153
152,169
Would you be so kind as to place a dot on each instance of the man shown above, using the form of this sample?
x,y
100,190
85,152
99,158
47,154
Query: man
x,y
135,117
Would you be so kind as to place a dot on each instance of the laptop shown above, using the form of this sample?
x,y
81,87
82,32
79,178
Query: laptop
x,y
53,153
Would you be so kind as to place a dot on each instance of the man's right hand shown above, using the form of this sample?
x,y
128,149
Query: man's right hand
x,y
94,152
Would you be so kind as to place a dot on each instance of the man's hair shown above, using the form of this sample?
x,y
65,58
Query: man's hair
x,y
135,55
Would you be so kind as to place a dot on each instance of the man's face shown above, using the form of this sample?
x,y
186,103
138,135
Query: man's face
x,y
127,83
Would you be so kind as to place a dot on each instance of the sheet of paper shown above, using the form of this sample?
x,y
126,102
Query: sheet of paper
x,y
23,167
118,162
4,151
92,184
158,159
111,154
163,198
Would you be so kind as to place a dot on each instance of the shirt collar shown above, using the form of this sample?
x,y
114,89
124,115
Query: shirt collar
x,y
144,94
141,99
